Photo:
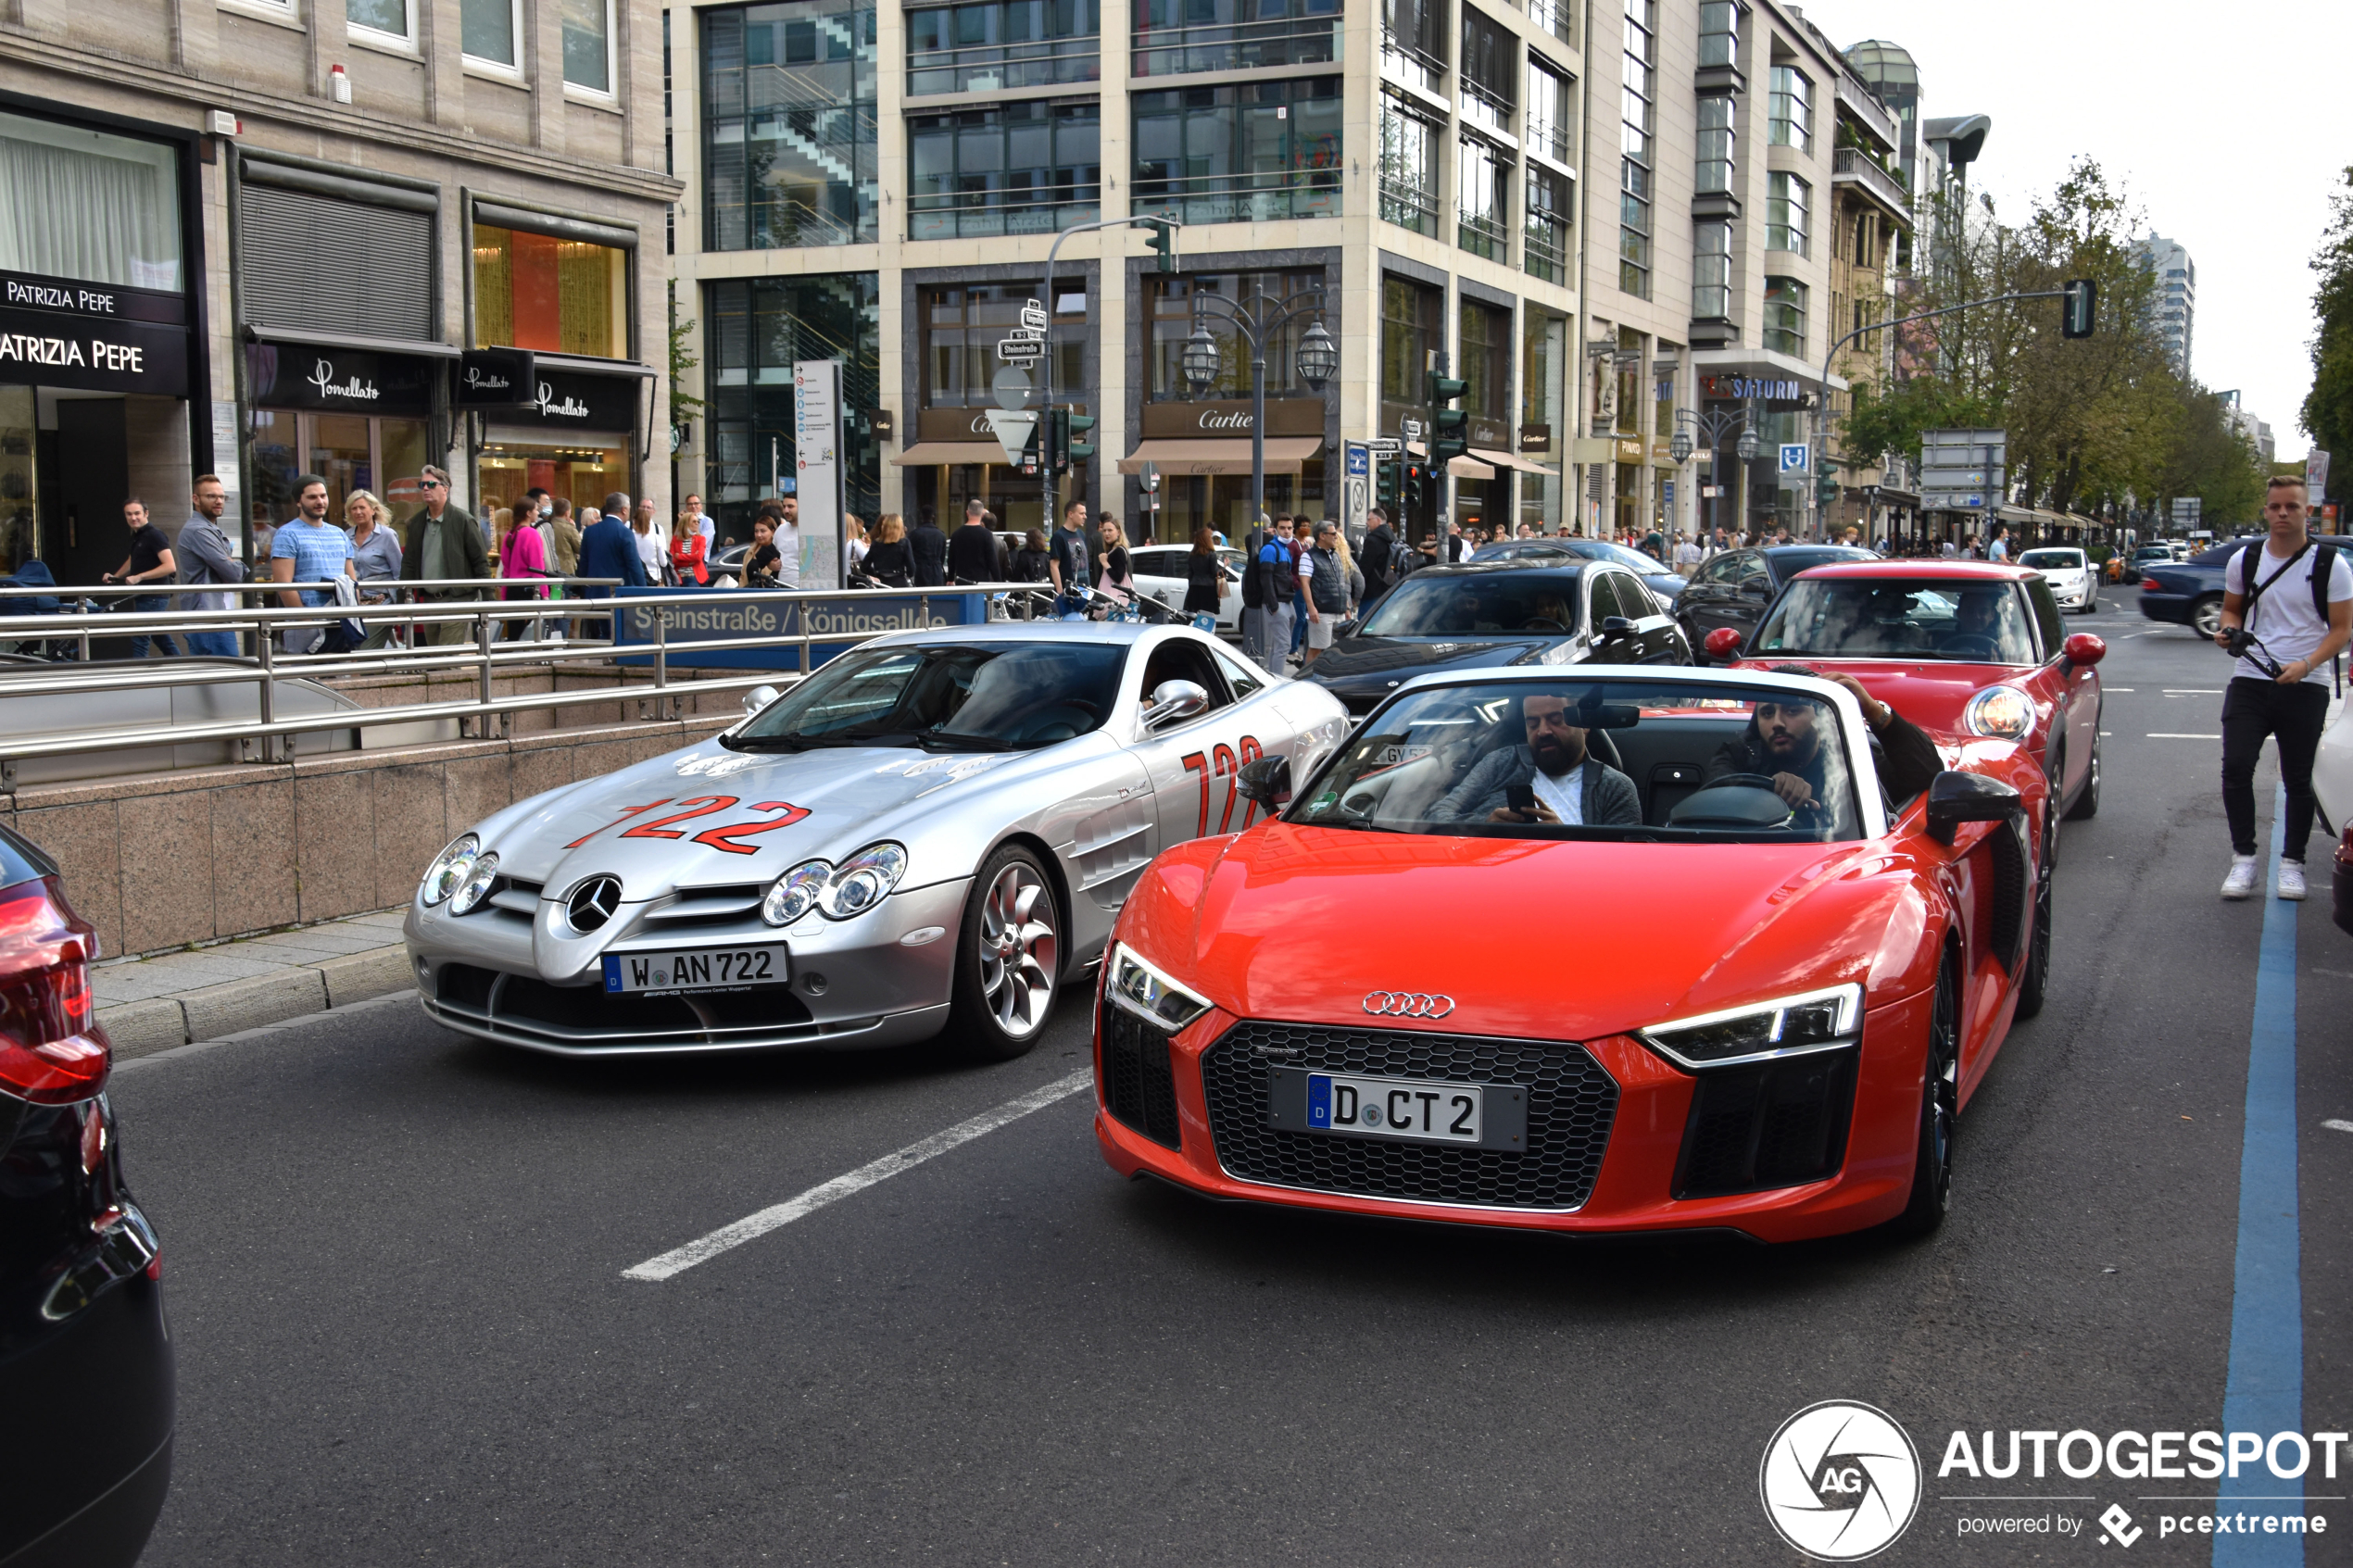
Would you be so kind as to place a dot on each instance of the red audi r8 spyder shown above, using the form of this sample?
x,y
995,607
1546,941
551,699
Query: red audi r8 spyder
x,y
1970,647
1546,948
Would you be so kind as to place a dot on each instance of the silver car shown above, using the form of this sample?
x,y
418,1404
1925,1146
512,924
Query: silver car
x,y
932,832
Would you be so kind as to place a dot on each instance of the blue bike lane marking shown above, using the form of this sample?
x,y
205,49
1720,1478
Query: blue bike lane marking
x,y
2265,1389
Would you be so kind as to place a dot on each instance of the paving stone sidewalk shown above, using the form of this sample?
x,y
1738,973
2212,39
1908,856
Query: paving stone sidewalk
x,y
152,1004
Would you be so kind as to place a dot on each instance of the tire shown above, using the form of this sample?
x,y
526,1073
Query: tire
x,y
1009,953
2034,984
2206,616
2087,805
1940,1106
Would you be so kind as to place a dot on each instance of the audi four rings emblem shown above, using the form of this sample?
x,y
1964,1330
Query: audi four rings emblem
x,y
1407,1004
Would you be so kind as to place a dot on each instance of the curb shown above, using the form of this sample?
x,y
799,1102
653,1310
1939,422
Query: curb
x,y
162,1024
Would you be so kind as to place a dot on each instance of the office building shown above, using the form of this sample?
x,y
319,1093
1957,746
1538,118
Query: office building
x,y
2176,301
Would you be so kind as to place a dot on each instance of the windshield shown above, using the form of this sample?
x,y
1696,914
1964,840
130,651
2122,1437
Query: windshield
x,y
966,696
1459,607
1882,618
1789,563
1682,762
2053,560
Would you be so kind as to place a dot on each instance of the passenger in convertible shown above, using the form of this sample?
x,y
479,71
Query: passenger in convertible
x,y
1784,740
1564,784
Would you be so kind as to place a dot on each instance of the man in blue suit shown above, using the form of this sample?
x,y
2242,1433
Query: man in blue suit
x,y
609,548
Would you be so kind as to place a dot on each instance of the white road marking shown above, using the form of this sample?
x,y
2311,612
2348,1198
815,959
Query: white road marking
x,y
752,1226
2192,691
2159,734
2125,688
2338,1125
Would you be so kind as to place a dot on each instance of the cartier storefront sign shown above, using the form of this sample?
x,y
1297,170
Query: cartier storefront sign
x,y
1227,421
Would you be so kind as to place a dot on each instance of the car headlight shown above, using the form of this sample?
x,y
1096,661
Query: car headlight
x,y
795,892
1787,1027
477,887
862,881
1999,713
449,869
1145,991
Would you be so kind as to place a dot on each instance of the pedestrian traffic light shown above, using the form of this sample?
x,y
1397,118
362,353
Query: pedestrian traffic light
x,y
2079,306
1449,427
1163,236
1077,448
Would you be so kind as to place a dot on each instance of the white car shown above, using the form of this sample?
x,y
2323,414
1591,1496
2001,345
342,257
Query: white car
x,y
2074,580
1159,574
2332,782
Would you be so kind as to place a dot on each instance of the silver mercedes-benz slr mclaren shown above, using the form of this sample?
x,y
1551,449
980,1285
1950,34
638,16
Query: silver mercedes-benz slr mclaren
x,y
932,832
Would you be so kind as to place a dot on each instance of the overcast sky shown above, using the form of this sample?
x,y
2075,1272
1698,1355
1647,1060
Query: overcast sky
x,y
2197,108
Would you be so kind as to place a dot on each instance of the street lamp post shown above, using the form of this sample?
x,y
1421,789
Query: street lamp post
x,y
1714,426
1258,319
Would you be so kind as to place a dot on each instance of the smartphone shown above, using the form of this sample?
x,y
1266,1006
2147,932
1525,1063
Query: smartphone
x,y
1519,796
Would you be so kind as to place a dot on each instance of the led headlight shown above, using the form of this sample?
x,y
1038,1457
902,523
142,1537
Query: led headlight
x,y
795,892
862,881
1999,713
1145,991
1788,1026
449,869
477,887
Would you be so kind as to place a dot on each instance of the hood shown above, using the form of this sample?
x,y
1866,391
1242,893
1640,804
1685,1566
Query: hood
x,y
1559,940
1930,692
1374,664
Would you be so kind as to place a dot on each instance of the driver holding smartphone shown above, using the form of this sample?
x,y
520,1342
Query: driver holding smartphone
x,y
1547,779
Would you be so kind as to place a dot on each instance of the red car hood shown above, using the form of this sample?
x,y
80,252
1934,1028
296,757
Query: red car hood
x,y
1928,692
1533,938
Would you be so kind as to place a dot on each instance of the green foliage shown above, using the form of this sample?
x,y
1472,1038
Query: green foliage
x,y
684,404
2328,409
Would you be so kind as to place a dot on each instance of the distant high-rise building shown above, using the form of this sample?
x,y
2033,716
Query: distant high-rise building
x,y
2176,303
2258,430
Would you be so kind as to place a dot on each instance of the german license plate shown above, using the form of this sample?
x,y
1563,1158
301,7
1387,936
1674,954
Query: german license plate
x,y
696,969
1408,1110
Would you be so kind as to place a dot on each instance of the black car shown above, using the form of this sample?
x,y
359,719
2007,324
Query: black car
x,y
86,1387
1732,587
1662,584
1555,611
2189,593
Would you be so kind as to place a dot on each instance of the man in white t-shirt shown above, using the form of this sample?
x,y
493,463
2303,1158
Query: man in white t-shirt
x,y
1687,554
2287,696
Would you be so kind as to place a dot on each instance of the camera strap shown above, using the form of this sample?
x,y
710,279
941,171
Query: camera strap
x,y
2323,567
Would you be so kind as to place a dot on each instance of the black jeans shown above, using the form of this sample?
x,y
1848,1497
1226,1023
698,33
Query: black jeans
x,y
2252,709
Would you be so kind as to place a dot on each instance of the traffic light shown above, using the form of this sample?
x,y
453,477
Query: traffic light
x,y
1826,485
1449,427
1415,492
1077,448
2080,308
1052,436
1163,236
1385,483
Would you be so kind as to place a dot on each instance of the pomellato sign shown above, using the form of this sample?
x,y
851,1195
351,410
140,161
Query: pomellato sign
x,y
338,381
569,400
498,378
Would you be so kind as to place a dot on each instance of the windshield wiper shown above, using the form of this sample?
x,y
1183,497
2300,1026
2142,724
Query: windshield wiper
x,y
952,740
791,742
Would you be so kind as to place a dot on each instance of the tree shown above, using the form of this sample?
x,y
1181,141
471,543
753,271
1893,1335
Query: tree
x,y
2328,409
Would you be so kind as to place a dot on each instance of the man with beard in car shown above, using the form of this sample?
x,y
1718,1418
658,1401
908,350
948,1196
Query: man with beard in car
x,y
1784,741
1550,773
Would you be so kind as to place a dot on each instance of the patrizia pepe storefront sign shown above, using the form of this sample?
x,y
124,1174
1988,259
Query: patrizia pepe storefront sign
x,y
338,381
92,337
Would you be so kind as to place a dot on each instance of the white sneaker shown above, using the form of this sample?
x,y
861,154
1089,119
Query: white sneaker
x,y
2240,883
2292,879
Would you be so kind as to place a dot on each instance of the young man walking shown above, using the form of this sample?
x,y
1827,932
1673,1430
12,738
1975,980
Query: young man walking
x,y
150,560
207,556
2295,597
1071,562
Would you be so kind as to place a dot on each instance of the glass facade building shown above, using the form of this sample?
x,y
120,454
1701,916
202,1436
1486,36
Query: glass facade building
x,y
789,125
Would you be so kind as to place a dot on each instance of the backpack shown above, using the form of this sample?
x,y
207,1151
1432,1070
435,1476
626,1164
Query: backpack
x,y
2324,567
1279,584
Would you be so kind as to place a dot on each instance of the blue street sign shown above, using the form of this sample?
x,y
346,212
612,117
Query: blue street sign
x,y
1360,462
1793,456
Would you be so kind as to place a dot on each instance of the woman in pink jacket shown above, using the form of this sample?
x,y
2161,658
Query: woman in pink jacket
x,y
522,555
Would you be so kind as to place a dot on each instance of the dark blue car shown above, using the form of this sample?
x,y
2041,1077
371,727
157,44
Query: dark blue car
x,y
1667,584
2189,593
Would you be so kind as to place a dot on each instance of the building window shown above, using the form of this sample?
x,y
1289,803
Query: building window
x,y
1785,316
1486,334
1785,220
1177,36
1543,364
391,20
1408,168
1491,73
1719,32
1544,236
1025,169
588,28
1482,188
1242,154
999,45
1413,45
1634,168
88,206
1712,272
487,30
1551,122
536,291
1172,327
756,330
1411,328
964,323
1790,108
789,125
1555,16
1714,174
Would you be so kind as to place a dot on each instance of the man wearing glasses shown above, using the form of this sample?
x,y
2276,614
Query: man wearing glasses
x,y
441,544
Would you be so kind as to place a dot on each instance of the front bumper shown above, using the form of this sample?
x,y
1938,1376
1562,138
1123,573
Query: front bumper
x,y
2174,607
2074,598
885,978
1644,1157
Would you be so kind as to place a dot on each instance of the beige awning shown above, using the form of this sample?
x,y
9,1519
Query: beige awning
x,y
1513,461
1460,468
922,453
1285,453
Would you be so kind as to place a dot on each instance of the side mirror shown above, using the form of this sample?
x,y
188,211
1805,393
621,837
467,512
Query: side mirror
x,y
1345,629
1616,625
2085,649
1756,588
1723,643
1173,700
761,696
1265,779
1956,797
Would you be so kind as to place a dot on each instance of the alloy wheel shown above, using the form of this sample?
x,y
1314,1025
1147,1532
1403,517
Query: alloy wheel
x,y
1020,952
2205,617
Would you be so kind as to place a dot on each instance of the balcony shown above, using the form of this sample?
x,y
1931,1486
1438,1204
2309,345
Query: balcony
x,y
1544,249
1863,104
1291,40
1481,233
1849,166
1485,110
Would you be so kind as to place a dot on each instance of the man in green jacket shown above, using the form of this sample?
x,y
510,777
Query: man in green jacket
x,y
442,543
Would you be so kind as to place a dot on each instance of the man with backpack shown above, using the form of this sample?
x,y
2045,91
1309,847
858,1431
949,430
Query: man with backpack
x,y
1375,557
1256,627
2295,597
1274,564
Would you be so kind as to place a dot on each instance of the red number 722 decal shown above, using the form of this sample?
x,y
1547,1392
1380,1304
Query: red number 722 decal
x,y
626,811
1221,761
729,838
704,805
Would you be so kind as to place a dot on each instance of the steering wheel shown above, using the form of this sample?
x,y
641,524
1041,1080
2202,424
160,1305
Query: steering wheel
x,y
1535,621
1759,781
1970,644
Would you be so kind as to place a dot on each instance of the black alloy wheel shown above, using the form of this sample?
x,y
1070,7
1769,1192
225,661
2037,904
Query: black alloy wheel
x,y
1009,955
2087,805
2035,982
1940,1109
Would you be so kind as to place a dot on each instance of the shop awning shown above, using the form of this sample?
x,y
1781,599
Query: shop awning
x,y
1460,468
263,332
924,454
1285,453
1513,461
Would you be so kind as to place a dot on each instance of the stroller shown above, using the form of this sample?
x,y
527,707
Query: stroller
x,y
35,575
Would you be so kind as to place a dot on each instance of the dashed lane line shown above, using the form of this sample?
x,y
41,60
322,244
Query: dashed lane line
x,y
752,1226
2162,734
2339,1124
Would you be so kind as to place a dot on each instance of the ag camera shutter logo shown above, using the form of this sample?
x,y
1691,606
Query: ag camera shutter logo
x,y
1840,1481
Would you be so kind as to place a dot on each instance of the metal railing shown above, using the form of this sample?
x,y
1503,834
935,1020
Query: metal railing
x,y
484,653
1849,163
